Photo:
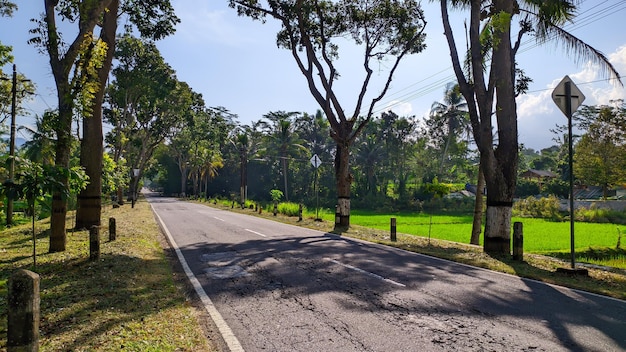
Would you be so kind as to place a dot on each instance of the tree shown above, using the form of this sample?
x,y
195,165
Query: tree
x,y
154,20
283,141
69,84
40,147
449,118
600,156
491,88
384,29
147,103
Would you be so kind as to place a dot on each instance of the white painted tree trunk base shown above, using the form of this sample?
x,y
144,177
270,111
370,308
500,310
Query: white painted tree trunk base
x,y
498,230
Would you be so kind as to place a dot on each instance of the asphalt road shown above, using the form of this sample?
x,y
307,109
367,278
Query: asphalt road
x,y
277,287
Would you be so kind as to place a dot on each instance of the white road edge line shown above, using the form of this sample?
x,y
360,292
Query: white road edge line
x,y
367,273
227,334
256,233
215,217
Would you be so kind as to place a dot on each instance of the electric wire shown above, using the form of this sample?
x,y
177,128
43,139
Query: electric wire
x,y
589,16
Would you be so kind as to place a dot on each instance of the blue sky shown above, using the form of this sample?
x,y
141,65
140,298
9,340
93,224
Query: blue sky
x,y
235,63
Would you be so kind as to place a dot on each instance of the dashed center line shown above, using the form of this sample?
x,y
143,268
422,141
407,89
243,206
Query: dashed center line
x,y
367,273
256,233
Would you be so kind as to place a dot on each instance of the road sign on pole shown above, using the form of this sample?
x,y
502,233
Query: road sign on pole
x,y
569,98
575,97
316,161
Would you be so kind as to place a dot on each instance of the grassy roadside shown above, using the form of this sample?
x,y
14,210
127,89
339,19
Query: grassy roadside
x,y
127,300
538,267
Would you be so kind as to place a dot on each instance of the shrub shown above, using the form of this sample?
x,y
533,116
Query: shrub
x,y
600,215
276,195
546,208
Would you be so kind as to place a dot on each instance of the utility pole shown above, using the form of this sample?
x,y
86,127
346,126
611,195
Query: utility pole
x,y
12,148
11,180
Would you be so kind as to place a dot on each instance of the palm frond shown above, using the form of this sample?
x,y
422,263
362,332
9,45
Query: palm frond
x,y
583,51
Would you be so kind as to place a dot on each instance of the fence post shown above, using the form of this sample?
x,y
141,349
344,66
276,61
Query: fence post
x,y
393,230
518,241
300,212
112,229
94,243
337,216
275,209
24,313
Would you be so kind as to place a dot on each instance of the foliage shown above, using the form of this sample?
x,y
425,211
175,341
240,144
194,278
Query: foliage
x,y
114,174
310,30
289,208
276,195
430,190
600,215
526,188
600,157
543,208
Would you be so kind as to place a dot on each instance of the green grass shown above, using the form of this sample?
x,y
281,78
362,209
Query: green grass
x,y
540,236
127,300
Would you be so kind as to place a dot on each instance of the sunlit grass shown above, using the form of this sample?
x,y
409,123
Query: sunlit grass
x,y
127,300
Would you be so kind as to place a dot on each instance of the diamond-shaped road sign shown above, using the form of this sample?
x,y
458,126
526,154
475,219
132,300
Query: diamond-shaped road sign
x,y
315,161
559,95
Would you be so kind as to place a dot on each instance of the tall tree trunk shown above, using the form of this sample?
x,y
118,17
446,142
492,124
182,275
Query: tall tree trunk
x,y
501,167
344,183
90,199
62,160
285,177
478,208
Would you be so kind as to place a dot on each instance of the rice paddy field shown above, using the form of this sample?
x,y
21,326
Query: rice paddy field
x,y
595,243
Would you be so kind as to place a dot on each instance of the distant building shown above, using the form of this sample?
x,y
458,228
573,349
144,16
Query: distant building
x,y
541,176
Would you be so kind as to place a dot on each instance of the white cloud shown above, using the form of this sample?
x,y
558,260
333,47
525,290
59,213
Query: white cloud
x,y
399,107
531,105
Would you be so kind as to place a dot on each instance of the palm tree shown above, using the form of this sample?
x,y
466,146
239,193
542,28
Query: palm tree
x,y
369,155
284,141
450,115
40,148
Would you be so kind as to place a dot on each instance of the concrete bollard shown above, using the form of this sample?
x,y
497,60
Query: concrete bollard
x,y
23,312
94,243
275,209
337,216
300,213
518,241
112,229
261,210
393,230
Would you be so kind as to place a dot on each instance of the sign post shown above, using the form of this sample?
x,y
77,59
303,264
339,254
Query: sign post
x,y
316,162
568,98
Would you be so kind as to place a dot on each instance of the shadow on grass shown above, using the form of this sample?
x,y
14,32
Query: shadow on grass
x,y
105,297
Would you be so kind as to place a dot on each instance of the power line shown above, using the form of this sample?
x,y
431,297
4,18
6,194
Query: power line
x,y
583,19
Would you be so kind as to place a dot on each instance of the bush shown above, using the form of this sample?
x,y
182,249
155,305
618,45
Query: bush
x,y
531,207
600,215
